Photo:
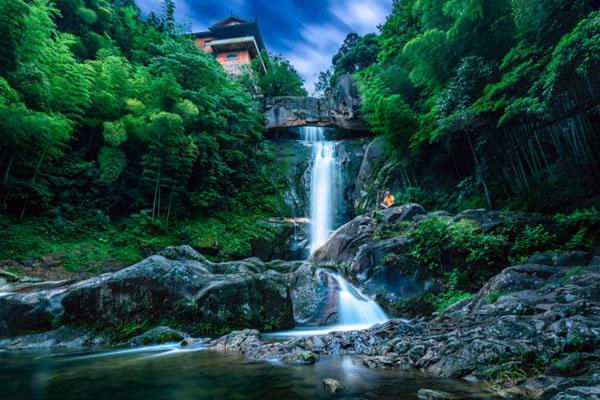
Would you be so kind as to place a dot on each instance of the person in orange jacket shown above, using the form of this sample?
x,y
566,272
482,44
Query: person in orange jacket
x,y
388,200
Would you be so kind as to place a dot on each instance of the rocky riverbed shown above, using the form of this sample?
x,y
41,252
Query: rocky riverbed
x,y
532,330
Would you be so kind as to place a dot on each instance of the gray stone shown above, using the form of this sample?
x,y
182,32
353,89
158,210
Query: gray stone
x,y
61,338
586,392
158,335
341,108
595,262
428,394
574,259
406,212
333,386
546,258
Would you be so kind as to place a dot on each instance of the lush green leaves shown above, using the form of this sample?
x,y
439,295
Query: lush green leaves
x,y
280,78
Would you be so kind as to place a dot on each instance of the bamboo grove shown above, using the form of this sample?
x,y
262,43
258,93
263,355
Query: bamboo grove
x,y
103,113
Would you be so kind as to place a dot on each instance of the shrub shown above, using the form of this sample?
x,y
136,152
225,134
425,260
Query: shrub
x,y
531,240
444,246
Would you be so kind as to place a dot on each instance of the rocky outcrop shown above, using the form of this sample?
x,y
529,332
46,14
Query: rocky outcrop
x,y
368,189
529,320
289,112
373,250
177,285
341,109
60,338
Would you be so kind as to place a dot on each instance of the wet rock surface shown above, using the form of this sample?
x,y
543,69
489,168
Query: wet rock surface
x,y
545,322
179,286
61,338
356,251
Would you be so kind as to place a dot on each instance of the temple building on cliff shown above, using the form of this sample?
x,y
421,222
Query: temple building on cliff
x,y
235,42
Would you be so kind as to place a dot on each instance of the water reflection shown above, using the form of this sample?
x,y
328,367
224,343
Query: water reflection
x,y
198,375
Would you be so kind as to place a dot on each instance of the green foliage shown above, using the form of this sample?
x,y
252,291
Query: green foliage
x,y
112,162
459,248
507,373
450,298
496,93
494,296
530,240
355,54
567,365
88,83
580,230
280,77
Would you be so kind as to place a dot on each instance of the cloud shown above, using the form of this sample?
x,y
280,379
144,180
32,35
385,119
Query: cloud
x,y
362,16
312,52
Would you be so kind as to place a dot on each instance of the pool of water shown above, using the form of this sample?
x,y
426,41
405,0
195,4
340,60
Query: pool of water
x,y
167,372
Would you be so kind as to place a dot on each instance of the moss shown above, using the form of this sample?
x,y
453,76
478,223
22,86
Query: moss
x,y
450,298
123,332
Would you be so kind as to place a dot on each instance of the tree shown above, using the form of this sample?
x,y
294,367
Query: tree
x,y
323,84
168,16
280,78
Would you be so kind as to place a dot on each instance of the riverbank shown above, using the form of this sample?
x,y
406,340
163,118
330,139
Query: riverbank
x,y
532,330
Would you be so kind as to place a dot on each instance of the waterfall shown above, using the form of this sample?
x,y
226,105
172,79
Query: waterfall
x,y
323,184
355,310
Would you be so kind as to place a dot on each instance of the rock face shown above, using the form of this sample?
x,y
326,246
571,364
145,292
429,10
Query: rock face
x,y
368,189
177,285
339,109
61,338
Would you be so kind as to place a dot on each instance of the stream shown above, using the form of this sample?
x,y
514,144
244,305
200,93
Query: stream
x,y
162,372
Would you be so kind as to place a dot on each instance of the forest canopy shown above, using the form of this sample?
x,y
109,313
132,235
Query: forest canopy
x,y
498,98
118,136
100,108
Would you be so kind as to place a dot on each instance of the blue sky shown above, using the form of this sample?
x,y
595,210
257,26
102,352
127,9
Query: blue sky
x,y
307,32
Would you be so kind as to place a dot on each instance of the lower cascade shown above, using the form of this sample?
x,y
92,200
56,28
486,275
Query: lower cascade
x,y
355,310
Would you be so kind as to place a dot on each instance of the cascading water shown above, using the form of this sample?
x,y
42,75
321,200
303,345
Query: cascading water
x,y
324,185
354,309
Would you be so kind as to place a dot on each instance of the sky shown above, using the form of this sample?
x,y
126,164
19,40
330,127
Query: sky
x,y
307,32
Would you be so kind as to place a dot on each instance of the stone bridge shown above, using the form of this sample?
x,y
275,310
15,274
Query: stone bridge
x,y
340,109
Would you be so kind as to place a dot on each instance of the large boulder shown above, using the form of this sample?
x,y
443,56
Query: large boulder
x,y
178,286
345,105
377,264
